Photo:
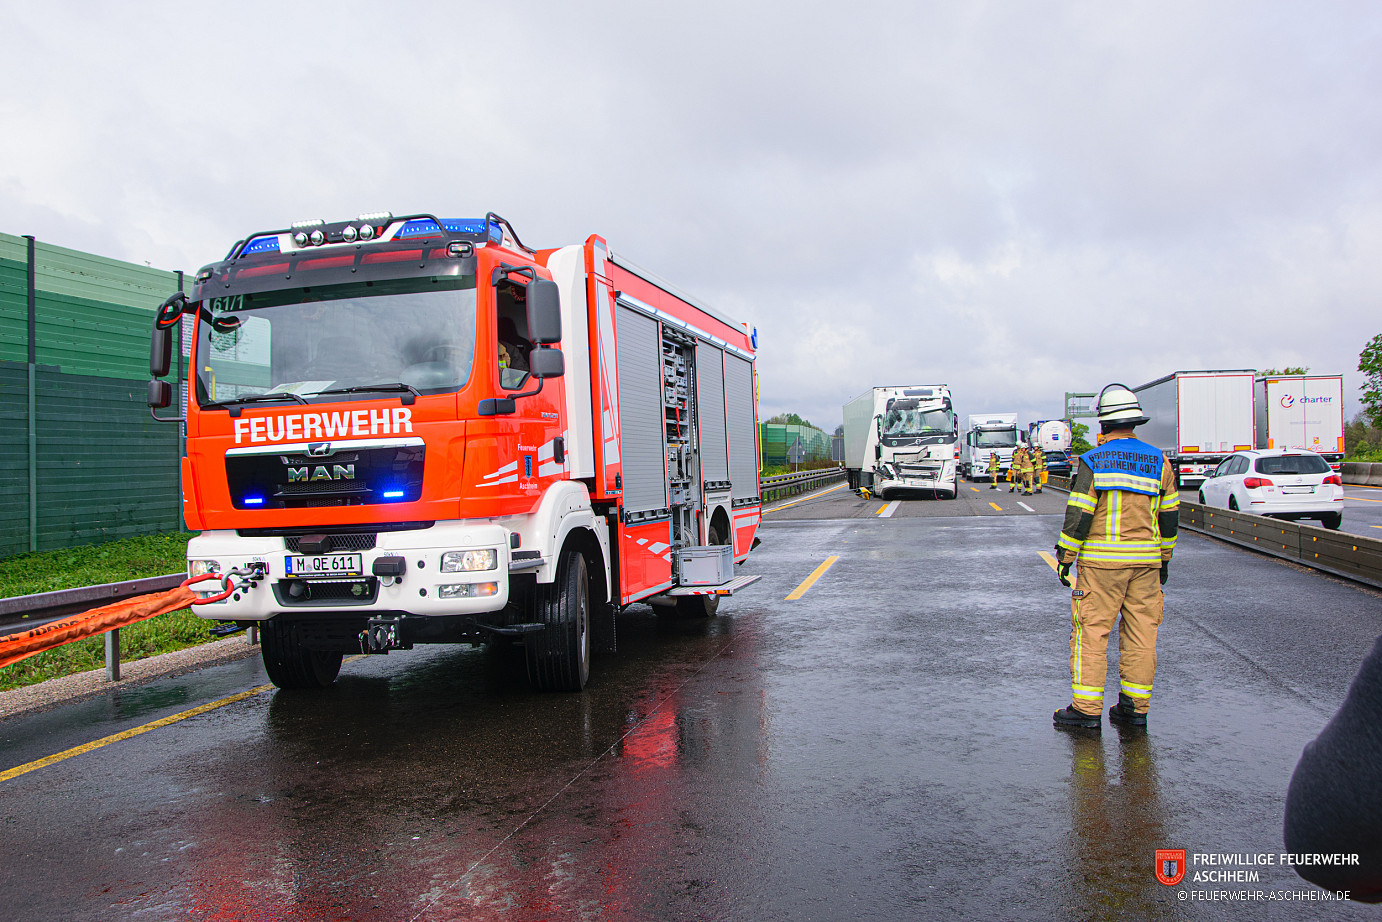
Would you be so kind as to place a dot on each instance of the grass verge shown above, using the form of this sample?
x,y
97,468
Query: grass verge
x,y
116,561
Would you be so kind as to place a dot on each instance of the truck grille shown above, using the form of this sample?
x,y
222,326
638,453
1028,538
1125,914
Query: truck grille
x,y
289,478
361,541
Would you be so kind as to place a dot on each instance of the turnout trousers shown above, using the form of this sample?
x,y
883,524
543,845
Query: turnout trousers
x,y
1101,595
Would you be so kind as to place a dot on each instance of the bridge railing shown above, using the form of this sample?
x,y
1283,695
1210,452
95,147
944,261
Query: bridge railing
x,y
784,485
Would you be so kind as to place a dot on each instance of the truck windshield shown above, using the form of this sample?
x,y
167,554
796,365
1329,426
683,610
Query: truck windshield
x,y
372,337
916,423
995,438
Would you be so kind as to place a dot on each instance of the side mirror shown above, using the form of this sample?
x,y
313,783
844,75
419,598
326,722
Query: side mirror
x,y
544,313
545,362
161,352
160,395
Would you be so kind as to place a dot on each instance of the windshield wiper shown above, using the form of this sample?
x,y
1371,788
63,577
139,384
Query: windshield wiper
x,y
393,386
257,398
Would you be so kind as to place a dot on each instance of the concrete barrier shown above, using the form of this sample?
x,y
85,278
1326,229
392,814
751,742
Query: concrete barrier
x,y
1374,475
1355,471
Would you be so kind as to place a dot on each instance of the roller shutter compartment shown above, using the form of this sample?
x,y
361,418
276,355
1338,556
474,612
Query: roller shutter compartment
x,y
743,442
710,410
640,412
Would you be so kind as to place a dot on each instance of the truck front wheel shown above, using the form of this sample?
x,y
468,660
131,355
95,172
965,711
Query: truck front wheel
x,y
559,655
289,664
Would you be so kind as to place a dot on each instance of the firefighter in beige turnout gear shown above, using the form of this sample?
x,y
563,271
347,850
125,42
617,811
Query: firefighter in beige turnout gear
x,y
1021,471
1038,467
993,470
1120,526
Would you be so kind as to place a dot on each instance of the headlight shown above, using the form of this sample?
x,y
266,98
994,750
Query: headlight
x,y
201,567
464,561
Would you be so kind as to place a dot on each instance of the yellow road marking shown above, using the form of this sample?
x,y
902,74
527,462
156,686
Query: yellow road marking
x,y
1362,499
838,486
996,506
126,734
1375,526
811,580
1049,558
975,489
136,731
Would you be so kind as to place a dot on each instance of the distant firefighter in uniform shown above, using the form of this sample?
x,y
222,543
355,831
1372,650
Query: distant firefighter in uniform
x,y
1120,525
1019,463
1038,467
993,470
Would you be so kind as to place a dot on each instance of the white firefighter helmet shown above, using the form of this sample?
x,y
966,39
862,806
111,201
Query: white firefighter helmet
x,y
1118,407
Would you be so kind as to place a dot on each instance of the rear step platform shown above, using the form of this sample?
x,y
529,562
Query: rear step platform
x,y
729,588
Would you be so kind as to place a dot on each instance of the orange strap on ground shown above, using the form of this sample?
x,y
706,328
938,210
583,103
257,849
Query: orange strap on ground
x,y
15,647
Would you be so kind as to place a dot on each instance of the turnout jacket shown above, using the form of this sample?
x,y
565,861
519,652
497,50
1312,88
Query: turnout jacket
x,y
1123,509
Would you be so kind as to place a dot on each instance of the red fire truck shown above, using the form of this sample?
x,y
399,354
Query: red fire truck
x,y
407,430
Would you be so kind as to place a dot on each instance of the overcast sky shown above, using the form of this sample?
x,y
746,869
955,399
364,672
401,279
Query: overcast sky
x,y
1017,199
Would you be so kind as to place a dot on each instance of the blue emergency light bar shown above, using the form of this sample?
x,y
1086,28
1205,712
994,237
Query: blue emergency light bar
x,y
253,501
262,245
426,227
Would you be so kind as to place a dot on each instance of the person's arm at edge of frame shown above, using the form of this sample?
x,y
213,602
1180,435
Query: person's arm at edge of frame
x,y
1334,801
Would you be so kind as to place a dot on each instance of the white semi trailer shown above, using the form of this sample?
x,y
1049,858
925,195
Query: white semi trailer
x,y
902,439
989,433
1301,411
1198,418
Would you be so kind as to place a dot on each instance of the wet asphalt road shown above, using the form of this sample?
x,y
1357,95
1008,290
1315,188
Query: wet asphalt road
x,y
879,748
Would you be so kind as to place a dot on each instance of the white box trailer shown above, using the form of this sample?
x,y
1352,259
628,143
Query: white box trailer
x,y
902,439
1301,411
1198,418
987,434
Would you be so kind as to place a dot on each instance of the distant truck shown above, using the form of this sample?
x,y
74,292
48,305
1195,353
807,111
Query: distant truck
x,y
1050,434
988,433
1301,411
1198,418
900,439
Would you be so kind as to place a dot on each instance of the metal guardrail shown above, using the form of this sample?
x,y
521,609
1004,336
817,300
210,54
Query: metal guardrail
x,y
25,611
783,485
22,612
1336,552
1340,553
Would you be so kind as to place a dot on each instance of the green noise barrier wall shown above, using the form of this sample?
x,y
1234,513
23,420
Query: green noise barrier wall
x,y
777,438
81,460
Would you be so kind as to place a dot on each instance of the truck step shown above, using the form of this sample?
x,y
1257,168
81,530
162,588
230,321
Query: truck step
x,y
729,588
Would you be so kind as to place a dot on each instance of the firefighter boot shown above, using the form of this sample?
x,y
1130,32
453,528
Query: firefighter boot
x,y
1067,718
1123,713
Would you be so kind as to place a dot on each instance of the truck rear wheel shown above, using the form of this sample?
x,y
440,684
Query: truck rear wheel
x,y
289,664
559,656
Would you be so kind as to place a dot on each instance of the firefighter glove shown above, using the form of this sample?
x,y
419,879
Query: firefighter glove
x,y
1165,571
1063,574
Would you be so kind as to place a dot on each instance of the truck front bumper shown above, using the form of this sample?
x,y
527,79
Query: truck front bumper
x,y
365,581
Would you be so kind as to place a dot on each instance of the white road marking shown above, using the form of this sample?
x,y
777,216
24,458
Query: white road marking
x,y
887,511
1025,506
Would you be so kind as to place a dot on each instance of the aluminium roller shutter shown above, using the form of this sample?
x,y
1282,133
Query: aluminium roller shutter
x,y
710,411
743,433
641,422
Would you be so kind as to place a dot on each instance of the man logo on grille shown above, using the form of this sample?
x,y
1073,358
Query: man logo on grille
x,y
1170,865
